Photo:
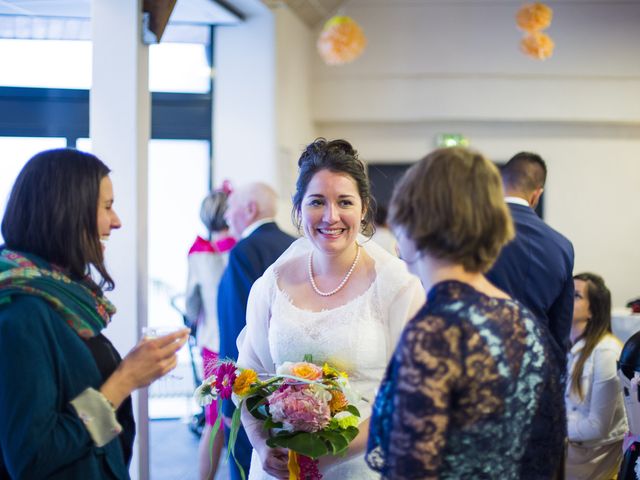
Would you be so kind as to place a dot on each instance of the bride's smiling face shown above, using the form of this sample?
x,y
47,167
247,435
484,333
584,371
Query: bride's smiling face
x,y
331,212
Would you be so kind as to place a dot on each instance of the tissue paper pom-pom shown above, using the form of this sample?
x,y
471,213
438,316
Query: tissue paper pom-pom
x,y
538,45
341,41
534,17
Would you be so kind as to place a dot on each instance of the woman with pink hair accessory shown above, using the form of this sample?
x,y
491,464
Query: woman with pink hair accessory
x,y
207,260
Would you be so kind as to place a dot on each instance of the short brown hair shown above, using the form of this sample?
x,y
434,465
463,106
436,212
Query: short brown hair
x,y
451,205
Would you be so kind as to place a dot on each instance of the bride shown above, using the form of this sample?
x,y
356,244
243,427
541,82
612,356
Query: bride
x,y
333,295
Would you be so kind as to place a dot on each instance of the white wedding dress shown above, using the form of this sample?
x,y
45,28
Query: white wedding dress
x,y
358,337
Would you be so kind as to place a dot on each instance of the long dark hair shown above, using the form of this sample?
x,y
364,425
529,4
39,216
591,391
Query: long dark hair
x,y
52,211
598,326
337,156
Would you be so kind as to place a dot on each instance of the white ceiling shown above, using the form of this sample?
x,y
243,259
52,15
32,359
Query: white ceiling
x,y
311,12
186,11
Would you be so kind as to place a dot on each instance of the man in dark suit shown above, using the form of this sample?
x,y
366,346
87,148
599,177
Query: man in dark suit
x,y
536,268
250,216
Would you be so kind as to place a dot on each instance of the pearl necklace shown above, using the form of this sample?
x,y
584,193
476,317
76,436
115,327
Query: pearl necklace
x,y
342,283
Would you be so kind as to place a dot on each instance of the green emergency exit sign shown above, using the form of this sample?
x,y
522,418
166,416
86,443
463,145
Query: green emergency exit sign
x,y
451,140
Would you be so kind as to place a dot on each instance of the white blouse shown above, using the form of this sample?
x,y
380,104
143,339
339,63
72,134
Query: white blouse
x,y
201,297
599,419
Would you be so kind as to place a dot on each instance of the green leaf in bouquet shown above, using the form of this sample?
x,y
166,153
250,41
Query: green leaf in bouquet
x,y
233,436
304,443
212,437
308,358
350,433
269,424
338,443
353,410
255,406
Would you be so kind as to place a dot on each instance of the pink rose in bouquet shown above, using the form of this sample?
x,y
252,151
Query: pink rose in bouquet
x,y
302,408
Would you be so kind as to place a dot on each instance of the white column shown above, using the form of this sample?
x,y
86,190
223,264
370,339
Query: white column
x,y
120,129
244,122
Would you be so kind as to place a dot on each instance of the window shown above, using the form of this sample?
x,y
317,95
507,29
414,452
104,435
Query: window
x,y
173,67
44,93
16,151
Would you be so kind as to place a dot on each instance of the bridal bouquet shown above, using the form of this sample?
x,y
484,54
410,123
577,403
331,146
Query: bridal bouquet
x,y
309,407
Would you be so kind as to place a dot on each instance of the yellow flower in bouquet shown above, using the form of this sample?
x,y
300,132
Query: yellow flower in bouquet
x,y
331,372
346,420
243,382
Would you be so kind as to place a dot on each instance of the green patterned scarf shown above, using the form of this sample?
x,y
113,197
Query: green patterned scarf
x,y
85,309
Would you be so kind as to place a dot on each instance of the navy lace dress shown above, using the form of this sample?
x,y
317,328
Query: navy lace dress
x,y
471,393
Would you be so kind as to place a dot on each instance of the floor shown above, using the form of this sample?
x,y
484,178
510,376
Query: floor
x,y
174,452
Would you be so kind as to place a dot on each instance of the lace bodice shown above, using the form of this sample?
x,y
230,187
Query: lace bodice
x,y
353,337
472,392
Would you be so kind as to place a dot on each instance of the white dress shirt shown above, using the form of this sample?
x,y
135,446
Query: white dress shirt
x,y
254,226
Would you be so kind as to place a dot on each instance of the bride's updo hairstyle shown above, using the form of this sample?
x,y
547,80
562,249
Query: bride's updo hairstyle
x,y
451,205
337,156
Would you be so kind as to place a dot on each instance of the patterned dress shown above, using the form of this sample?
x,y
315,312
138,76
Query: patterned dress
x,y
471,392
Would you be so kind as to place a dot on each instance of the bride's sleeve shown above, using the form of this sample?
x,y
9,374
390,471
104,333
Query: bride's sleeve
x,y
253,348
409,298
253,341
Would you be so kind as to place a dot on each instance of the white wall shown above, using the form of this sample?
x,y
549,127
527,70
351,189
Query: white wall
x,y
436,60
294,126
436,67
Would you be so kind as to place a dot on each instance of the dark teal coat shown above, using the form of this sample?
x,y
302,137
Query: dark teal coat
x,y
43,366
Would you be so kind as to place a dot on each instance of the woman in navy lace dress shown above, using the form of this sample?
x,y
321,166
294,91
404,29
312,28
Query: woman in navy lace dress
x,y
471,391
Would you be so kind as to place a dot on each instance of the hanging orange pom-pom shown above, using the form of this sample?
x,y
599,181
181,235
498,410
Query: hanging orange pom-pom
x,y
537,45
341,41
534,17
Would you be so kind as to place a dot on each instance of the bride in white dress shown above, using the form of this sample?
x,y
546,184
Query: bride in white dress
x,y
333,295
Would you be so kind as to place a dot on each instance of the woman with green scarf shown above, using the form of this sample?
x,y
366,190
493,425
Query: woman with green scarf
x,y
65,405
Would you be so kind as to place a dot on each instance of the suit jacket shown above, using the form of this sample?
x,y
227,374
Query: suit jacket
x,y
536,268
247,262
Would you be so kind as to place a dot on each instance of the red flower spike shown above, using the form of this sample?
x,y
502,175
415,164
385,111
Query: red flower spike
x,y
308,468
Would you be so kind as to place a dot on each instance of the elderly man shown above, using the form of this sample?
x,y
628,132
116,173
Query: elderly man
x,y
250,216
